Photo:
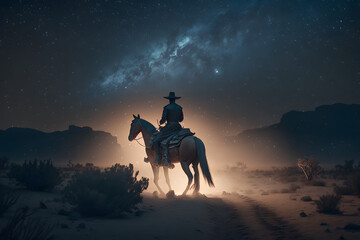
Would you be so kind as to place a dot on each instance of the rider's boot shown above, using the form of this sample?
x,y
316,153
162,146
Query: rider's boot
x,y
167,162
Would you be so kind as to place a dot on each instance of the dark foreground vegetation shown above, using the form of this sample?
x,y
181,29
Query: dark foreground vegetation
x,y
112,192
328,204
7,199
37,175
24,227
107,193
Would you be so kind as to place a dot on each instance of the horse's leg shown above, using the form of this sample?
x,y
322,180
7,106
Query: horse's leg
x,y
185,167
196,178
166,173
156,178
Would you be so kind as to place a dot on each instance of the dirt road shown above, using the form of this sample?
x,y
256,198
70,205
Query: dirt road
x,y
261,222
220,218
229,217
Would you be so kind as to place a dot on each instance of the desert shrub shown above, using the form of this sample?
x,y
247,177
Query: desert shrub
x,y
306,199
310,167
105,194
21,227
318,183
36,175
3,162
7,199
328,204
78,167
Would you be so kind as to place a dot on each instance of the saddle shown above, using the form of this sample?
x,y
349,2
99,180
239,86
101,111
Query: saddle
x,y
175,140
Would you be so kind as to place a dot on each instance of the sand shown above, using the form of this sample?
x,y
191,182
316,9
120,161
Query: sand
x,y
247,213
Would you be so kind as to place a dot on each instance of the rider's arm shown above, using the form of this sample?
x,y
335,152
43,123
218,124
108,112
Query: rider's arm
x,y
163,118
181,116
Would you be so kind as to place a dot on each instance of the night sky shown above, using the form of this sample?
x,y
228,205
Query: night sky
x,y
236,64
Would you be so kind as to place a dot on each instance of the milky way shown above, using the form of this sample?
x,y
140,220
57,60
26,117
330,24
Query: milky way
x,y
238,64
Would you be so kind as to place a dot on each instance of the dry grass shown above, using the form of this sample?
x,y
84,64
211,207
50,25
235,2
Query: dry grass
x,y
7,199
21,227
328,204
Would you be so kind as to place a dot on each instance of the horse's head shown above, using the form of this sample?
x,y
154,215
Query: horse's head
x,y
135,127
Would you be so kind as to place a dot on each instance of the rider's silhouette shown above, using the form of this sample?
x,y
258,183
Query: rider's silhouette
x,y
172,115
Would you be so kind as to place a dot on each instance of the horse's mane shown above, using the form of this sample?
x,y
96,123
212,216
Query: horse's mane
x,y
149,127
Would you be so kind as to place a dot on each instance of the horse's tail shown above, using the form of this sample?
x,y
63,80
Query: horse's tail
x,y
201,157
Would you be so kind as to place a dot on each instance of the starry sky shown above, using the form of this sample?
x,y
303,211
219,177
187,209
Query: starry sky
x,y
236,64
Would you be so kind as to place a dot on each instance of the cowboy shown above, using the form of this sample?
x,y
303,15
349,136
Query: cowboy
x,y
172,115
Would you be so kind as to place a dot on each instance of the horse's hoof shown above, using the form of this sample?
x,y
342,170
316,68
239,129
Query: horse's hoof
x,y
156,194
196,193
170,194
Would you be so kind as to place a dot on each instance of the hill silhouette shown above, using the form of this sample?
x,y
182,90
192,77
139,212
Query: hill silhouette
x,y
331,133
78,144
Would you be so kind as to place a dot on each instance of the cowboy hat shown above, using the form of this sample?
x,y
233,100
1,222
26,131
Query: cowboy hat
x,y
172,96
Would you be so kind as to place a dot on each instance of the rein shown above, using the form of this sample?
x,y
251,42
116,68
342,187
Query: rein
x,y
137,139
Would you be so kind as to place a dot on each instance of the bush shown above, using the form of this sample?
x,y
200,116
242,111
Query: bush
x,y
36,175
106,194
310,167
7,199
306,199
328,204
78,167
21,227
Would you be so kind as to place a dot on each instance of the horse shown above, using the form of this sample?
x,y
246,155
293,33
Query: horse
x,y
191,151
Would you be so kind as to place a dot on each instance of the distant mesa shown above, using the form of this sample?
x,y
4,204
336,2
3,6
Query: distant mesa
x,y
331,133
78,144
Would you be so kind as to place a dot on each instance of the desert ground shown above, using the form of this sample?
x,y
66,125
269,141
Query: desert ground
x,y
261,207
